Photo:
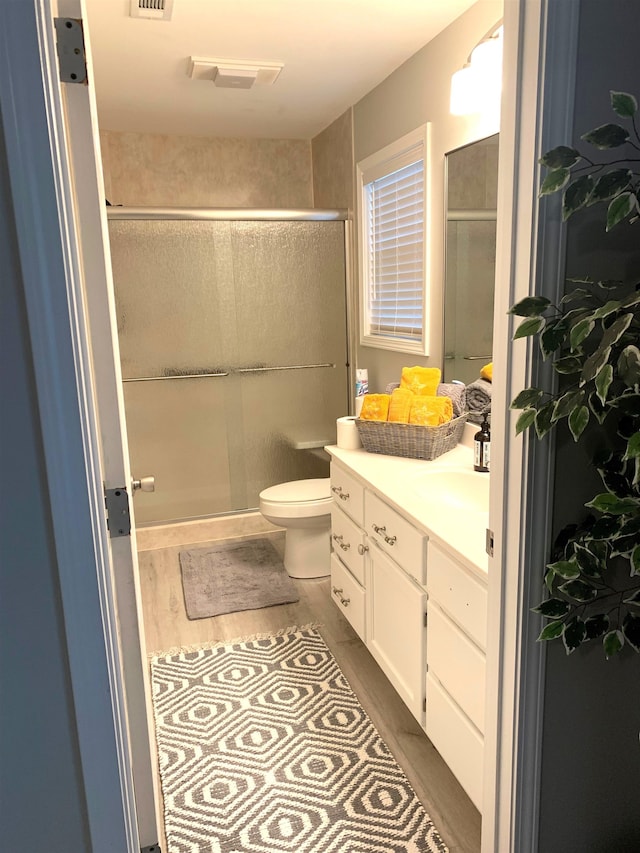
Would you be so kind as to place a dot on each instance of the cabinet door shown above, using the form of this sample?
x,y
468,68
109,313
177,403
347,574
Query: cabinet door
x,y
396,633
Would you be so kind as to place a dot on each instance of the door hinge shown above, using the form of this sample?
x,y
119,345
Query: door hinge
x,y
489,542
425,618
72,62
424,704
116,502
151,848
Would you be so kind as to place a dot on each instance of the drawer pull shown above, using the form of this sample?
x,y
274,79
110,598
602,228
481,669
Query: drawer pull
x,y
362,549
337,490
344,601
339,539
382,531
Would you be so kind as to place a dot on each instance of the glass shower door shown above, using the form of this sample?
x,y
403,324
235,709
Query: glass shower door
x,y
233,349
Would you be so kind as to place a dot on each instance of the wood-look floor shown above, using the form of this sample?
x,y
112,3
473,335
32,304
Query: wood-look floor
x,y
166,627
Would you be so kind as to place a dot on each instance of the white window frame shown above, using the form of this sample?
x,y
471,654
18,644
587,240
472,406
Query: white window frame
x,y
409,148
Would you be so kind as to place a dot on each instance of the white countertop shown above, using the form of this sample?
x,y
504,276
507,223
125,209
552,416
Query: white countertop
x,y
462,532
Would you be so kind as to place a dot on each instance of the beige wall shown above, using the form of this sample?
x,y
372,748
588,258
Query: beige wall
x,y
332,155
150,170
416,93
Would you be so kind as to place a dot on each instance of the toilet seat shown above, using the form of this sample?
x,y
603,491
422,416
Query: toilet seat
x,y
297,499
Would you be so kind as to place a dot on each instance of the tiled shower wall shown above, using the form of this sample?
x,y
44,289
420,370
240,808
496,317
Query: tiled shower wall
x,y
151,170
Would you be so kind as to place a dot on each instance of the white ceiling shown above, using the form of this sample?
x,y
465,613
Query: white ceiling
x,y
334,52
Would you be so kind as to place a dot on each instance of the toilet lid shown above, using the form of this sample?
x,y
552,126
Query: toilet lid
x,y
298,491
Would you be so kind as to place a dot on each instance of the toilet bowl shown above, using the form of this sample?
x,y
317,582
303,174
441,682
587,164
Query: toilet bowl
x,y
303,508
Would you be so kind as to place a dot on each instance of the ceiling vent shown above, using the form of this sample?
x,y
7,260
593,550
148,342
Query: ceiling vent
x,y
157,10
232,74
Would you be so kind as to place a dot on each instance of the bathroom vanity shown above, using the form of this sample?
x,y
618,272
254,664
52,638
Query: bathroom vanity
x,y
409,572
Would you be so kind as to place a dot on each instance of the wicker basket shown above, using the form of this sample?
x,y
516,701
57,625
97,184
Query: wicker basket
x,y
415,442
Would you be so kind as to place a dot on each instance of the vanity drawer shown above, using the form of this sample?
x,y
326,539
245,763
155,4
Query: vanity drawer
x,y
348,595
348,543
457,663
457,741
396,536
462,596
348,493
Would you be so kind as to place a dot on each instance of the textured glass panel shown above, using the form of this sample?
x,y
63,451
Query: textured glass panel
x,y
177,431
195,297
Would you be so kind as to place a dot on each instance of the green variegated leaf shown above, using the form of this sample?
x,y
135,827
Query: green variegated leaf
x,y
620,208
605,527
566,404
631,299
616,330
530,306
574,634
635,561
552,608
604,379
607,136
577,293
560,157
580,332
623,104
588,562
633,447
629,404
631,527
612,643
553,337
526,418
554,181
551,631
578,590
529,327
597,408
576,195
565,569
526,398
543,419
629,365
608,308
610,185
613,505
567,365
631,630
578,420
596,625
633,600
594,364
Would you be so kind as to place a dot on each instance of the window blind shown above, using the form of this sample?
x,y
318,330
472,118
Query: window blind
x,y
395,224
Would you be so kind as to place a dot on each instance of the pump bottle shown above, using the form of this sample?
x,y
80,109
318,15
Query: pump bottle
x,y
482,445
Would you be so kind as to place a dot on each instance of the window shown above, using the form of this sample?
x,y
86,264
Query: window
x,y
392,215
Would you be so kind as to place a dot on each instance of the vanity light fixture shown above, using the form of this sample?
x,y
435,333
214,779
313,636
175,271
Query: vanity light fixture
x,y
232,74
477,86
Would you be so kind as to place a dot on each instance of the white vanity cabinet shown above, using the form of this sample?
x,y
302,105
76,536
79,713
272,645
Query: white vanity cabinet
x,y
455,684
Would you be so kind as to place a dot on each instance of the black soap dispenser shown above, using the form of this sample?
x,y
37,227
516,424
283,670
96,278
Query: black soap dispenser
x,y
482,445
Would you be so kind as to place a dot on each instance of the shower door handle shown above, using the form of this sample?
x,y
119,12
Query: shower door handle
x,y
144,484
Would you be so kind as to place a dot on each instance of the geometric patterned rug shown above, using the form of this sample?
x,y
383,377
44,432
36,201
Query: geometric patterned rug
x,y
264,747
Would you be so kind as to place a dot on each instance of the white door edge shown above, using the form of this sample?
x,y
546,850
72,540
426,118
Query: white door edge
x,y
540,63
49,253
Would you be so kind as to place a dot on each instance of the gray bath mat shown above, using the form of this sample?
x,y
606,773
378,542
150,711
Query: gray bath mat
x,y
234,576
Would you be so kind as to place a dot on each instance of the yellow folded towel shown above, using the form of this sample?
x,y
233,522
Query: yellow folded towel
x,y
487,372
375,407
421,380
400,405
430,411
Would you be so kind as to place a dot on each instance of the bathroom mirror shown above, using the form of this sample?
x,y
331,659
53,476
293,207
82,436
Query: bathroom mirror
x,y
471,182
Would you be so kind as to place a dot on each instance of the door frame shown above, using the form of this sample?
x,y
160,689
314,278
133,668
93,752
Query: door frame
x,y
44,208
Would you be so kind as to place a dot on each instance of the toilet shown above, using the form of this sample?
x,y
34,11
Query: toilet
x,y
303,508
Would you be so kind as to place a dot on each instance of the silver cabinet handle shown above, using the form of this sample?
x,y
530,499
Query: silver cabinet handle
x,y
344,601
144,484
382,531
337,490
339,539
362,549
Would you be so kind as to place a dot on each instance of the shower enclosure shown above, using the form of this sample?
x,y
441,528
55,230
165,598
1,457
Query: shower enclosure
x,y
233,345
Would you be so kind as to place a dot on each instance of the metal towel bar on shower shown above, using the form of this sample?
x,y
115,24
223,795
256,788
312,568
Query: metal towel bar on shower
x,y
217,375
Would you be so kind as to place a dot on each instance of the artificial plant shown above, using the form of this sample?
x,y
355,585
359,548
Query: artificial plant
x,y
593,583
